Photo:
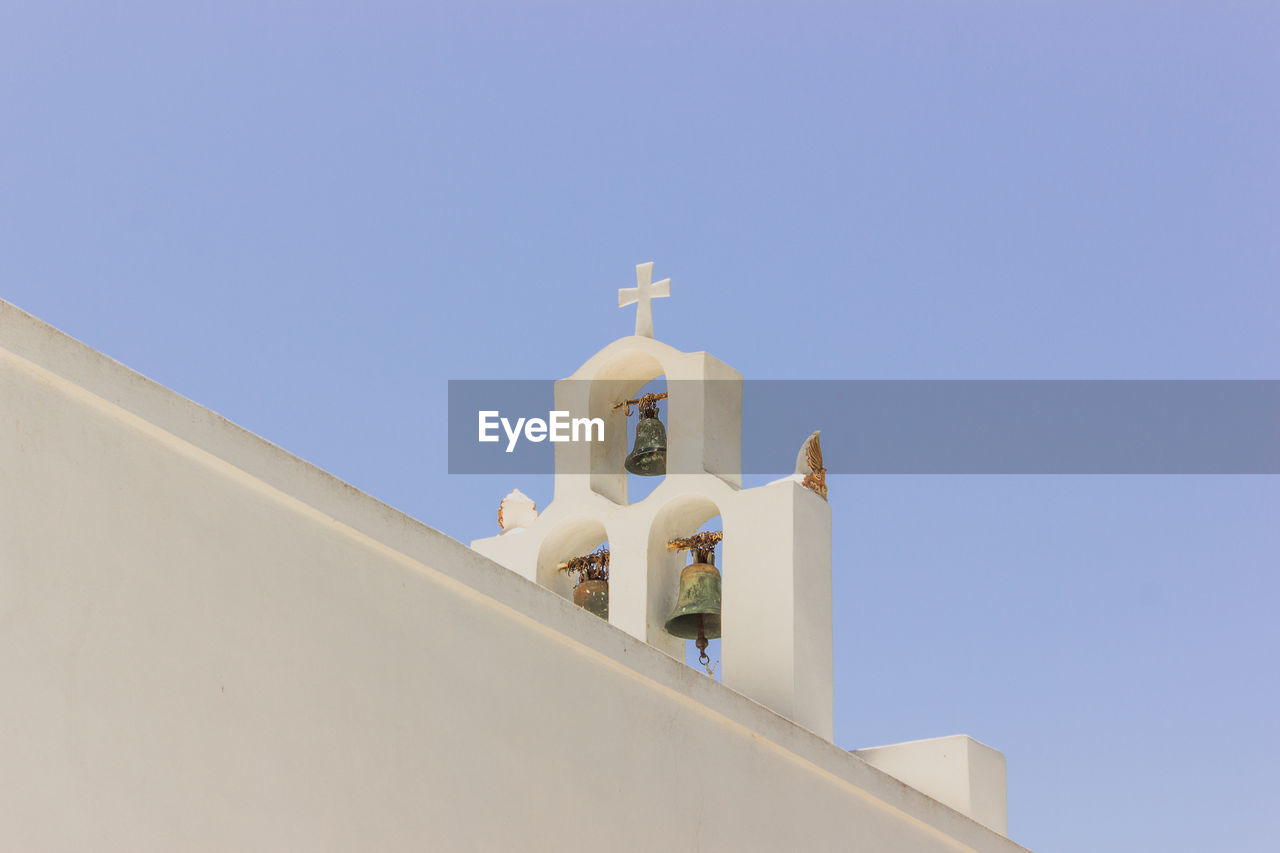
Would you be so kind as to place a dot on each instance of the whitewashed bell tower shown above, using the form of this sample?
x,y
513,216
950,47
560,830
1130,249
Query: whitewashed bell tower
x,y
776,643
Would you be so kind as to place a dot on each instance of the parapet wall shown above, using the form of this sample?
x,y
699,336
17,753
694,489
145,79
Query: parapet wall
x,y
207,644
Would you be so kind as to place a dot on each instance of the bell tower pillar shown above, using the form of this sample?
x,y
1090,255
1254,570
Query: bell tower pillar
x,y
777,638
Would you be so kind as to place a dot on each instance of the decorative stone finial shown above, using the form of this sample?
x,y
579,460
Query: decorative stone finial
x,y
642,293
516,510
809,464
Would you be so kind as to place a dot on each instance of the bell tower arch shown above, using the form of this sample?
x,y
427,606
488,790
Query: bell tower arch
x,y
703,415
776,641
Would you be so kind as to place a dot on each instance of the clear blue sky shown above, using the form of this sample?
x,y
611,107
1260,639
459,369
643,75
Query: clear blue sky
x,y
309,217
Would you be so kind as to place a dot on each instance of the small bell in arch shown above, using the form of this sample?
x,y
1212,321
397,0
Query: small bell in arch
x,y
696,615
591,592
648,457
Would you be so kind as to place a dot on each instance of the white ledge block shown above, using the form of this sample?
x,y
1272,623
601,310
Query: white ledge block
x,y
957,771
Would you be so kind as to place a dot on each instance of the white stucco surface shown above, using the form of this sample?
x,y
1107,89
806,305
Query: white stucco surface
x,y
208,644
956,770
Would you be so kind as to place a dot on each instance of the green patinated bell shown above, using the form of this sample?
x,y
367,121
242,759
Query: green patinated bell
x,y
649,457
698,604
593,596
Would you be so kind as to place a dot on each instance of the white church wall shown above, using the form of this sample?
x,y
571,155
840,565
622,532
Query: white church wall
x,y
207,644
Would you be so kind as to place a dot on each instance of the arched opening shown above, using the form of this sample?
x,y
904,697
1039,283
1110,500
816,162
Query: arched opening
x,y
575,538
626,377
680,518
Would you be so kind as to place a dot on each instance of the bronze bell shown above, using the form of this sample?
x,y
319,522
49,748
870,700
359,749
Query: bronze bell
x,y
697,612
649,456
593,596
592,590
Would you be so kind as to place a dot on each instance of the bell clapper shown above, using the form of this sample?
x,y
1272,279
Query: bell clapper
x,y
701,643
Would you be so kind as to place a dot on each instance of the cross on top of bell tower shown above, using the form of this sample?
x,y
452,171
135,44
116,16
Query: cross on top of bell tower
x,y
644,291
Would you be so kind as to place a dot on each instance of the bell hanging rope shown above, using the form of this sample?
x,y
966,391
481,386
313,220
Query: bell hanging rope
x,y
648,457
697,612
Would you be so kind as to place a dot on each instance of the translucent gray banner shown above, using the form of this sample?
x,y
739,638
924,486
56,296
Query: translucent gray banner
x,y
887,427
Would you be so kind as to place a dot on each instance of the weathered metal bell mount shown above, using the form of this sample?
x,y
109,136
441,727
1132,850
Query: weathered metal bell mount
x,y
649,456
